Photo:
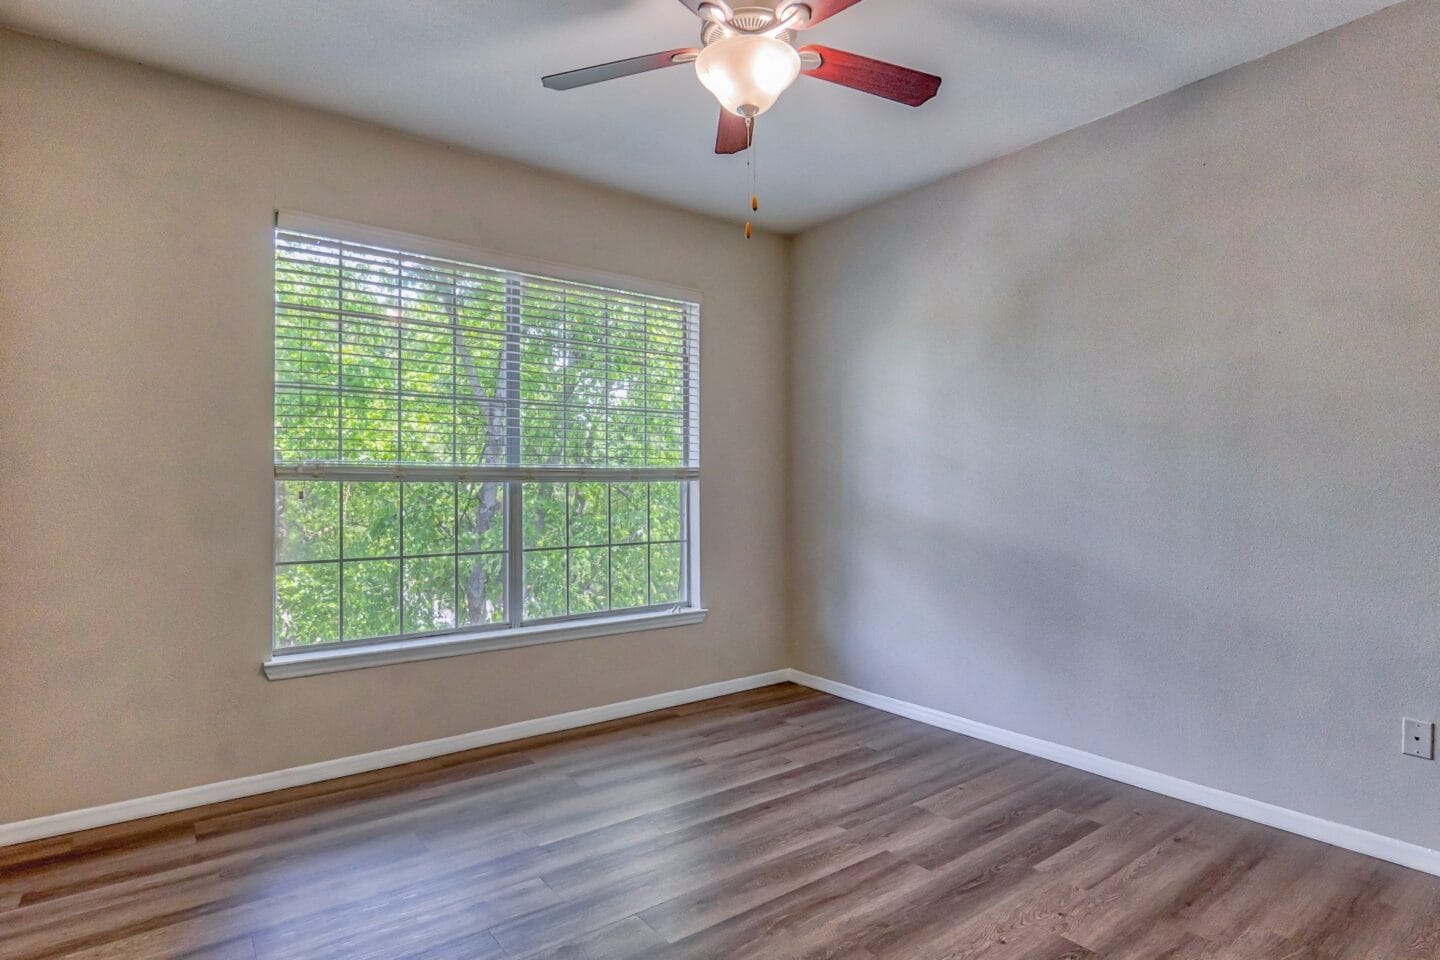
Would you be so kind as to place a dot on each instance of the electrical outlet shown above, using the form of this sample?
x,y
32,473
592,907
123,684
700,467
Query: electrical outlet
x,y
1419,739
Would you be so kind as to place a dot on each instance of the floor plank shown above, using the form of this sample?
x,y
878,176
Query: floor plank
x,y
775,823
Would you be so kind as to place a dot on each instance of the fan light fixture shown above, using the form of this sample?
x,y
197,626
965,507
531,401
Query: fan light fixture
x,y
747,58
747,73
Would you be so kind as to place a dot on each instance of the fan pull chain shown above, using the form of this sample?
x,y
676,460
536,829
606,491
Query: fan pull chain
x,y
750,162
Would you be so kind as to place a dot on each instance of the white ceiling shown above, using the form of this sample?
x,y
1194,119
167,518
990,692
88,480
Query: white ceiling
x,y
468,72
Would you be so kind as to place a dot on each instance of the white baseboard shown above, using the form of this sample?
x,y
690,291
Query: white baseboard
x,y
1291,821
141,807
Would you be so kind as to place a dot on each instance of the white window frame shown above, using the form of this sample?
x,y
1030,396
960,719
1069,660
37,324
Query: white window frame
x,y
354,655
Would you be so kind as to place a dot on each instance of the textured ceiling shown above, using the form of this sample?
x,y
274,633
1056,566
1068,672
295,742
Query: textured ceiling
x,y
468,72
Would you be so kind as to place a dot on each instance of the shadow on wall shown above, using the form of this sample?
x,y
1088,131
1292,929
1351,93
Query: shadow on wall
x,y
1022,628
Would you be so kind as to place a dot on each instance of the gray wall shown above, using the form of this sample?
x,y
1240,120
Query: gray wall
x,y
136,316
1131,440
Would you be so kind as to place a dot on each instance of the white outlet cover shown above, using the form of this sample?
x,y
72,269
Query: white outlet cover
x,y
1419,739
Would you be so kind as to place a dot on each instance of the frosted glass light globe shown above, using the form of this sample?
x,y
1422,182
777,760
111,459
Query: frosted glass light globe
x,y
747,74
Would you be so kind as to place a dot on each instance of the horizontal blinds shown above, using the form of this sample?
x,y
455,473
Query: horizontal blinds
x,y
408,366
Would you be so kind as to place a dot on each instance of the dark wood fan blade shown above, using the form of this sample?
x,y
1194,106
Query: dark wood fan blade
x,y
883,79
819,10
617,68
733,135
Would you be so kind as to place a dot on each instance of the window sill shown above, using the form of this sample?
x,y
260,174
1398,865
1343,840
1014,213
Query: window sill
x,y
282,666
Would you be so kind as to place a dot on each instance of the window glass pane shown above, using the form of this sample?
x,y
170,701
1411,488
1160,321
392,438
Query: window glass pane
x,y
664,573
585,437
372,519
368,280
307,272
480,303
482,589
429,593
429,513
542,365
307,604
479,430
369,354
628,513
427,357
663,447
369,428
544,584
589,514
639,569
482,517
626,381
372,599
665,511
627,328
544,506
427,430
665,384
542,434
629,576
307,347
627,437
585,373
479,355
589,580
307,424
307,520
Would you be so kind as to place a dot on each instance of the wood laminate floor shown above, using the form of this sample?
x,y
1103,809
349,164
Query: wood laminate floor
x,y
776,823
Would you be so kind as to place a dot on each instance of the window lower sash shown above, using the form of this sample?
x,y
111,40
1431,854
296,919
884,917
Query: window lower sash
x,y
514,626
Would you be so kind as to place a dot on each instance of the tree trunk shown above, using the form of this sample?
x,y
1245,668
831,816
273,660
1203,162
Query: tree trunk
x,y
487,505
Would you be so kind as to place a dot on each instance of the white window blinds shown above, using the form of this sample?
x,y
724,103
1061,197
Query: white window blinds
x,y
396,364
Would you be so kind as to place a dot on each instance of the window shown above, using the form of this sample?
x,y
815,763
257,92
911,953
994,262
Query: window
x,y
467,451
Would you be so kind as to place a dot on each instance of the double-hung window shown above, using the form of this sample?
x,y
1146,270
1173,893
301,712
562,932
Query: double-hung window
x,y
471,453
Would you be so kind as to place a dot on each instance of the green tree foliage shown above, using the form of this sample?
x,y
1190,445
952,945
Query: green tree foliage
x,y
386,360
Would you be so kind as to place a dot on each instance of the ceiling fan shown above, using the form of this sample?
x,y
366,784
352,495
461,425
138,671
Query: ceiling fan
x,y
747,57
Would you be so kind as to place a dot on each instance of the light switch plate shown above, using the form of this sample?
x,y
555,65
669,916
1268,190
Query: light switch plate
x,y
1419,739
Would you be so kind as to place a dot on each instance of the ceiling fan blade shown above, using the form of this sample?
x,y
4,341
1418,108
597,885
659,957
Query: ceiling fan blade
x,y
618,68
733,135
872,76
819,10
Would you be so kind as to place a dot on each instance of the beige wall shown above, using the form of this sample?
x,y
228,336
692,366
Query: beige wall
x,y
135,322
1131,440
1127,441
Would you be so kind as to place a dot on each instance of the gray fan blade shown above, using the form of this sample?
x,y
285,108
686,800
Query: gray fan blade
x,y
618,68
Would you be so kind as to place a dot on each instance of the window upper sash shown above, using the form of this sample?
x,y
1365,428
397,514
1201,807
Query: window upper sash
x,y
393,365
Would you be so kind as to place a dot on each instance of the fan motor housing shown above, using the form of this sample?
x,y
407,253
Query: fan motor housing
x,y
746,18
